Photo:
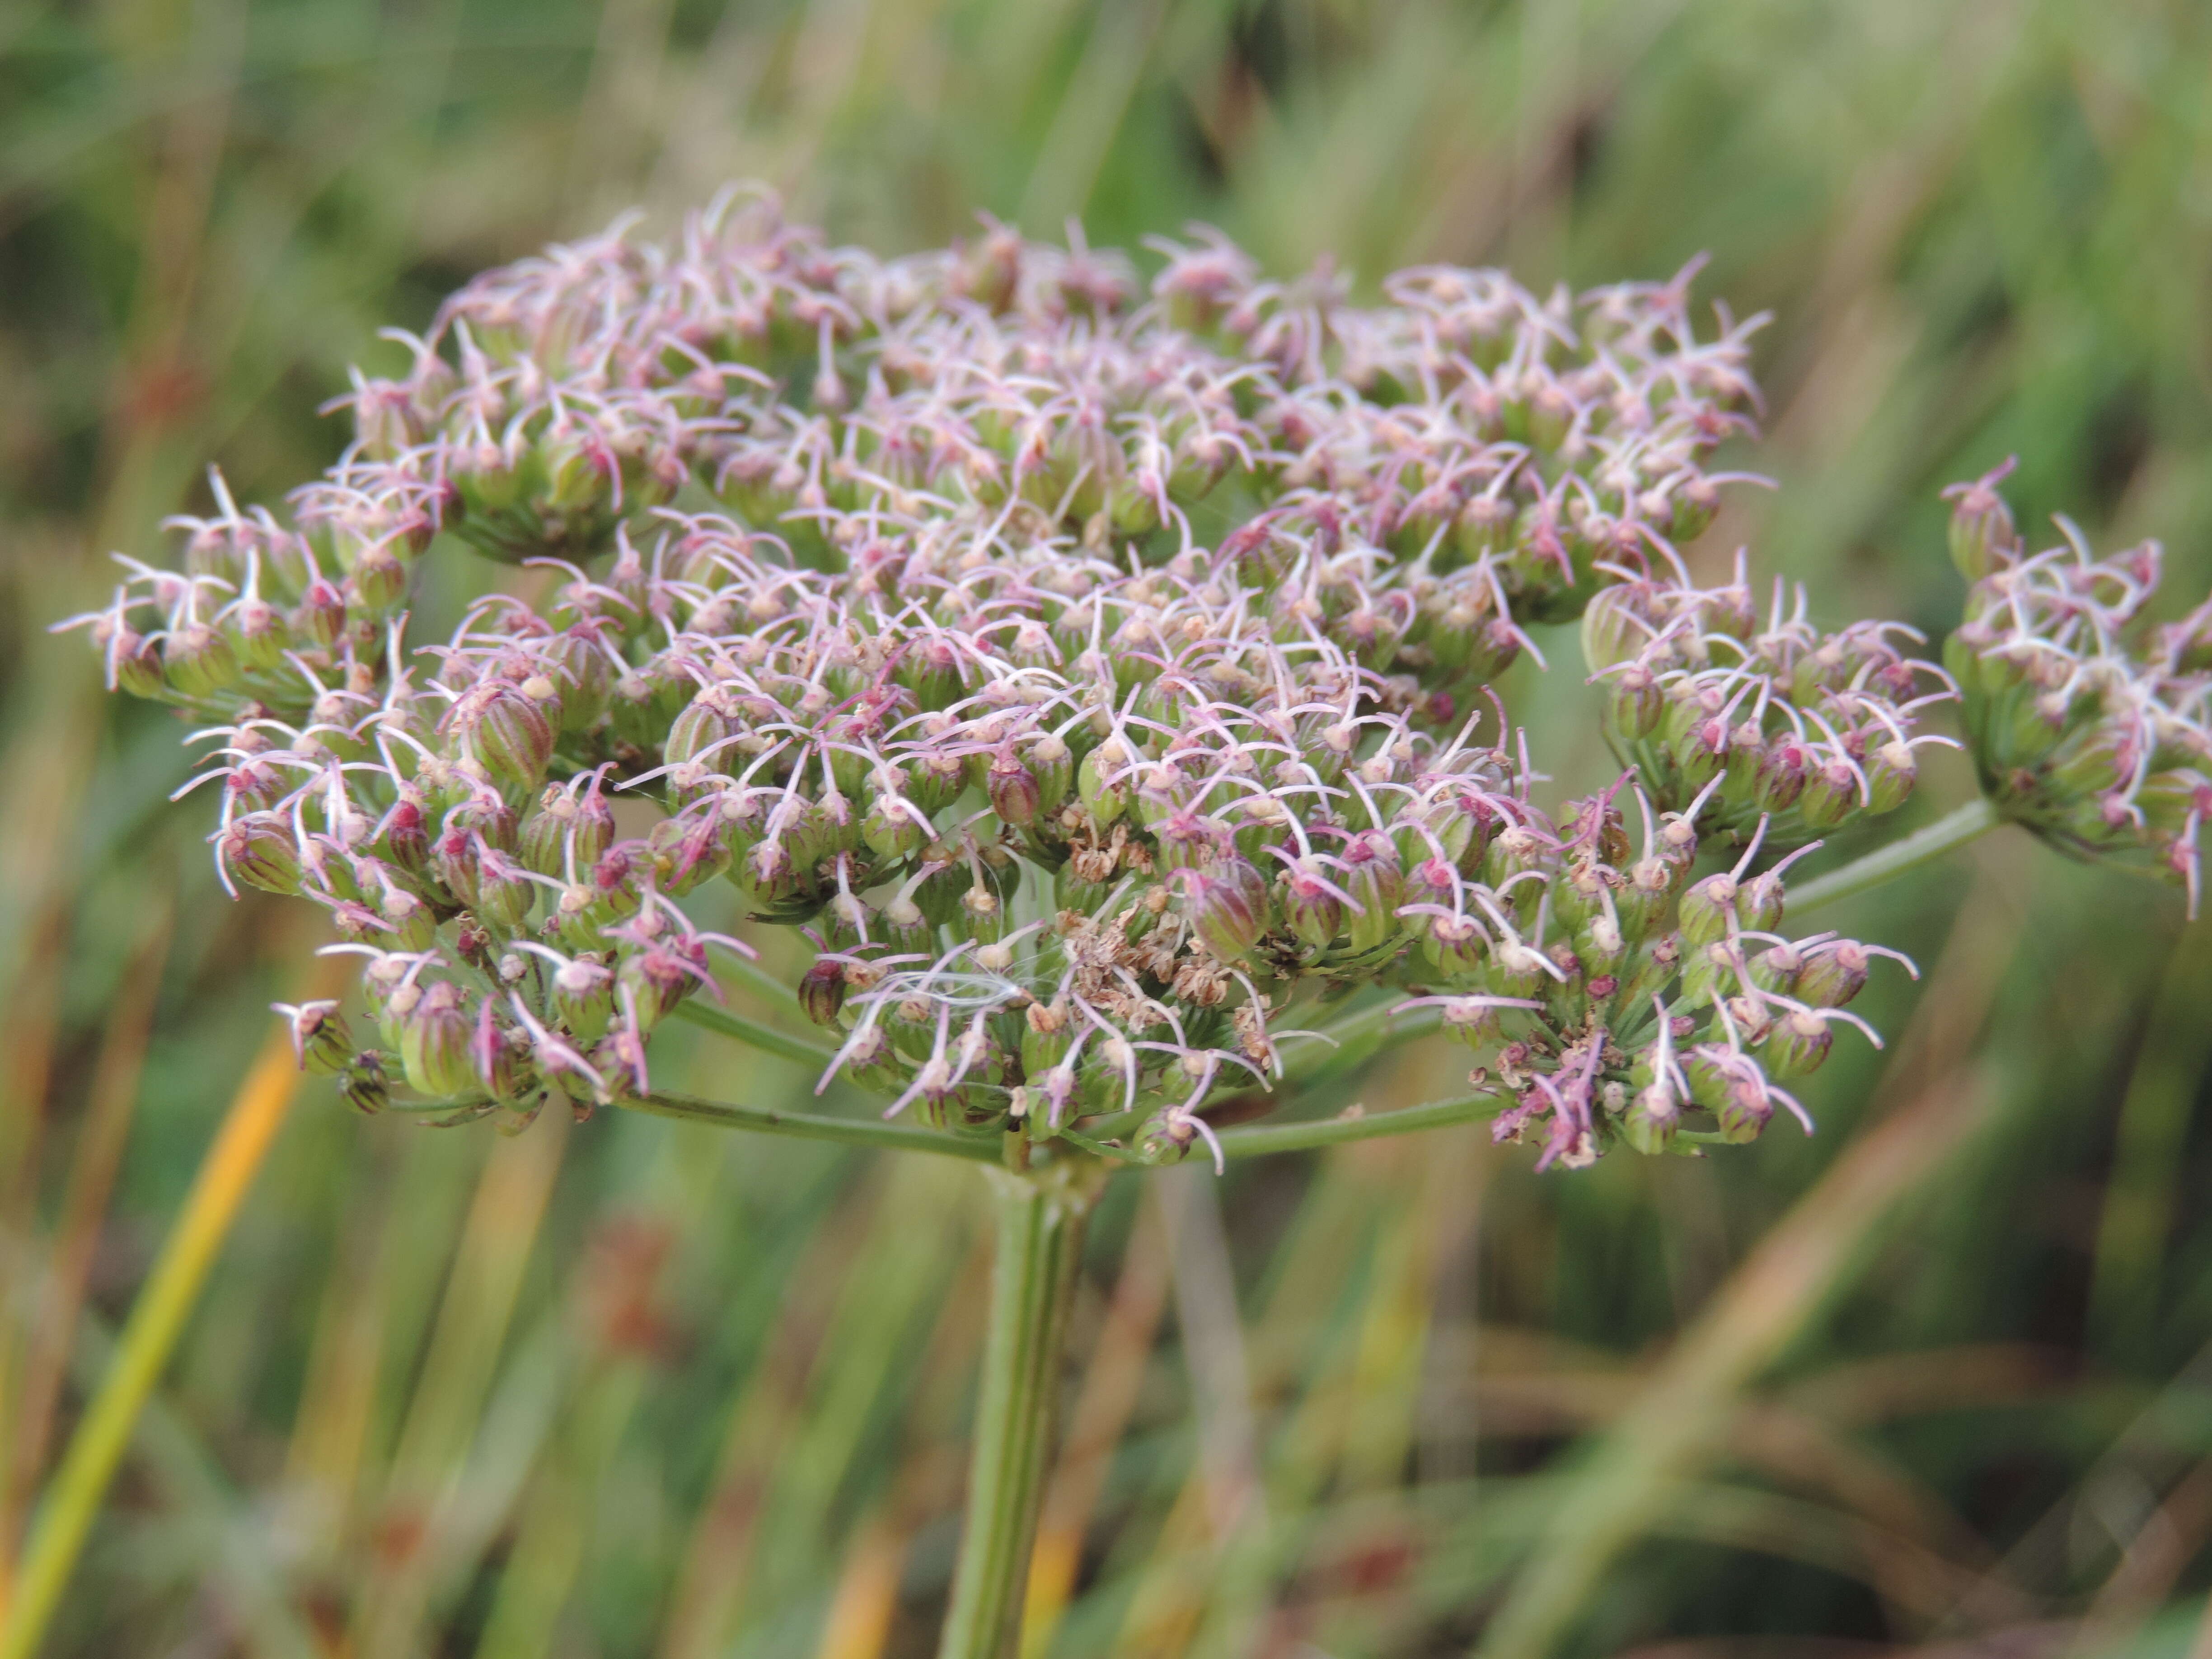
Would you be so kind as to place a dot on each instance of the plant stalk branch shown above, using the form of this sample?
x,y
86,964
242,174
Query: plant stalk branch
x,y
1262,1138
1953,831
810,1126
738,1029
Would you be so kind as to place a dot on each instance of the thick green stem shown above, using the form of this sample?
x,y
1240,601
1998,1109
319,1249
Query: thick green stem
x,y
1041,1216
1949,832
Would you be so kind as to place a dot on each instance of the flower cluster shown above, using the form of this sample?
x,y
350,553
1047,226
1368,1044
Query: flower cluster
x,y
1099,680
1744,726
2089,728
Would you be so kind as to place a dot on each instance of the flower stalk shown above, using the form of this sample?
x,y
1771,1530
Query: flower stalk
x,y
1947,835
1039,1216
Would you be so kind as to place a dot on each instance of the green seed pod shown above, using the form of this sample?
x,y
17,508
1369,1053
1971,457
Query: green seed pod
x,y
320,1037
504,894
1053,766
906,931
501,1053
320,619
1982,535
1012,788
256,634
1452,945
258,849
411,921
980,917
1615,628
1227,909
1653,1116
767,875
379,580
1708,910
505,731
1830,795
362,1084
434,1042
1890,773
1105,781
1633,705
1796,1046
821,990
1377,886
583,998
1832,975
1046,1037
197,661
1313,911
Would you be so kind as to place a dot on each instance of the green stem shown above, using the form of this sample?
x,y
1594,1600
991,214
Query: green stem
x,y
810,1126
1265,1137
1953,831
1040,1221
738,1029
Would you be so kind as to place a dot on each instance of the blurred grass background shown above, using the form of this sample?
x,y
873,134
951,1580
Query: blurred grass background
x,y
1939,1378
